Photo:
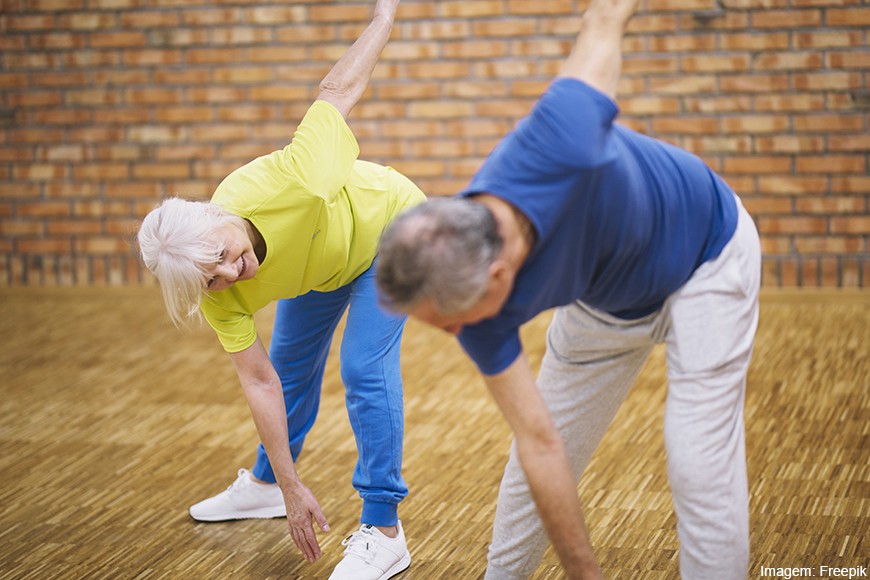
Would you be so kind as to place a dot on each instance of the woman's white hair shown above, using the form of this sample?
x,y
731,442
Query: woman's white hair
x,y
177,245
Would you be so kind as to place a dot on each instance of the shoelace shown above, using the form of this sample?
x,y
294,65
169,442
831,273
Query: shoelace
x,y
360,544
239,482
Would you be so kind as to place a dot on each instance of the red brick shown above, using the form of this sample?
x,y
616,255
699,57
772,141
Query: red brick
x,y
792,225
848,17
712,63
829,123
850,184
44,246
480,49
212,16
755,124
151,57
832,164
755,83
525,7
827,39
440,109
851,224
682,43
828,244
758,206
411,50
124,116
787,19
788,185
857,143
683,84
272,15
852,59
728,20
782,103
649,105
789,144
758,164
829,205
39,171
144,19
21,227
19,190
684,125
502,28
418,90
717,104
514,68
101,171
827,81
470,8
161,170
754,41
719,144
101,245
788,61
339,13
75,227
117,39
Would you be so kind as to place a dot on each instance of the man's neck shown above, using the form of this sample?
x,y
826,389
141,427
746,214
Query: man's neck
x,y
514,227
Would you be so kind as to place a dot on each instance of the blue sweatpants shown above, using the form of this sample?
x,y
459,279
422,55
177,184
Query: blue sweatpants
x,y
370,371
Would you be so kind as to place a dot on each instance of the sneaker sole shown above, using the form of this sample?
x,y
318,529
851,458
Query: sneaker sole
x,y
398,567
260,514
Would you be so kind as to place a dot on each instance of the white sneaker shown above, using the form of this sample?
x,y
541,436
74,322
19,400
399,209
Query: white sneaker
x,y
244,499
370,555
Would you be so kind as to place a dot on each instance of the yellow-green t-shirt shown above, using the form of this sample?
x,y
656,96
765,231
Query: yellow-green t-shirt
x,y
320,211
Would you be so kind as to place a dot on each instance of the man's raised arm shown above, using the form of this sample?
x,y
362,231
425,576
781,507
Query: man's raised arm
x,y
597,55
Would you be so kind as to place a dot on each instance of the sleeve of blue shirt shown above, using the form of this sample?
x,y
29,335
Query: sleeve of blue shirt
x,y
570,126
491,350
565,138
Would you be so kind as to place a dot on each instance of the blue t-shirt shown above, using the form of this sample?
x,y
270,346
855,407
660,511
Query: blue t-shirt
x,y
622,220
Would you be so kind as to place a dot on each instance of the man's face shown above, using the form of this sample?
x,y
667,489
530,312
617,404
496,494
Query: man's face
x,y
498,290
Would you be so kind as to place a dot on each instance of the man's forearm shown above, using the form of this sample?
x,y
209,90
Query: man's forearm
x,y
597,55
555,494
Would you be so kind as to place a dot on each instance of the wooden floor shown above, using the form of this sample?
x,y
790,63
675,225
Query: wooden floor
x,y
112,423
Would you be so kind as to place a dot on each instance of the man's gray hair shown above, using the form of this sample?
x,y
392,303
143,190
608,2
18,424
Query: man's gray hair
x,y
440,250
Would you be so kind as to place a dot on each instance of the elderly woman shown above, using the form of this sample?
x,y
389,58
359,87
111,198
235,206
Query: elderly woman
x,y
301,226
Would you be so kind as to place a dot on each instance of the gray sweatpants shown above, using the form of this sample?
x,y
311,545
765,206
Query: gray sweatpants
x,y
591,362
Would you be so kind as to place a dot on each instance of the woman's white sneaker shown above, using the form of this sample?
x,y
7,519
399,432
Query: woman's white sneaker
x,y
244,499
371,555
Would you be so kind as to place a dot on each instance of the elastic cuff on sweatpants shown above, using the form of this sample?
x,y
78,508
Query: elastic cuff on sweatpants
x,y
379,514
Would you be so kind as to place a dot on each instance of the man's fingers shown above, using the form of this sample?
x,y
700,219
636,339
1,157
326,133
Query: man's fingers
x,y
320,518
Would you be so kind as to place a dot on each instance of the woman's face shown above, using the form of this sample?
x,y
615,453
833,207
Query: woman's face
x,y
237,260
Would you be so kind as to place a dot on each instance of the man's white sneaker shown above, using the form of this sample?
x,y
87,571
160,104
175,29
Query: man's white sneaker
x,y
370,555
244,499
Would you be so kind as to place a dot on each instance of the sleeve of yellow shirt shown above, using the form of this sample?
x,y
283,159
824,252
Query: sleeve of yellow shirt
x,y
322,152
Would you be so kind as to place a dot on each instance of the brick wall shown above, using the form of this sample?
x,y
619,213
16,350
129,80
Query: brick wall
x,y
109,105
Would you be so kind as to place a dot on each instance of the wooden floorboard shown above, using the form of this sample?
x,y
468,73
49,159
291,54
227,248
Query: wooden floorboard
x,y
112,422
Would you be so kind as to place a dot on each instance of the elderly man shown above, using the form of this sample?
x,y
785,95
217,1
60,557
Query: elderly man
x,y
635,242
